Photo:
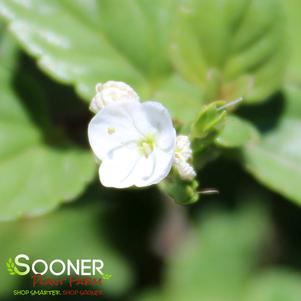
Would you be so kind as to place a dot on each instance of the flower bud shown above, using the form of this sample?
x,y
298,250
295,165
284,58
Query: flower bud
x,y
111,92
183,154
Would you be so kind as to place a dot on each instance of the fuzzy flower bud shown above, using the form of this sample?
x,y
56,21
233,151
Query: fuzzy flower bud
x,y
110,92
183,154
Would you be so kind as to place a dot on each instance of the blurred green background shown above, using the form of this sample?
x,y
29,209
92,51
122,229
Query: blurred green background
x,y
241,244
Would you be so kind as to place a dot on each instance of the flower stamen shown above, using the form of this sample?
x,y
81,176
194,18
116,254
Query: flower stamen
x,y
111,130
146,145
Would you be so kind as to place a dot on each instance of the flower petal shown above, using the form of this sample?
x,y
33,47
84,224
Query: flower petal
x,y
129,168
115,134
159,118
112,128
154,169
118,170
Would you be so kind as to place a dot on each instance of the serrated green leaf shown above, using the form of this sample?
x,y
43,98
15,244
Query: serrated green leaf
x,y
37,176
230,48
95,41
236,133
276,159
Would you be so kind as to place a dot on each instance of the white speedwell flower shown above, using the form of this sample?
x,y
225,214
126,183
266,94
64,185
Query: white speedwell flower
x,y
135,142
183,154
110,92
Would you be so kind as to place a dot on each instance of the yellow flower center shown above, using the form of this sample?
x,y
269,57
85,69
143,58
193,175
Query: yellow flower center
x,y
147,145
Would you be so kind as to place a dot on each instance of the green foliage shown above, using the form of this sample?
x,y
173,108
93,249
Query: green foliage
x,y
293,22
204,130
95,45
183,99
181,53
218,261
221,251
230,48
182,192
274,285
276,159
36,175
209,120
236,133
186,54
226,56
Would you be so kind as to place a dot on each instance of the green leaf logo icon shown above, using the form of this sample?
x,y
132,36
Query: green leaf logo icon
x,y
106,276
10,266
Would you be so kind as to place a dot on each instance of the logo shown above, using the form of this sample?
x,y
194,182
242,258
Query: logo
x,y
63,273
57,267
11,267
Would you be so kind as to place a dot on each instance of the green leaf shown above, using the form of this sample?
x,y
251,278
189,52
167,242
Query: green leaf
x,y
37,175
217,259
292,11
215,263
204,130
95,41
182,98
276,159
209,119
236,133
150,295
10,267
74,232
182,192
274,285
230,48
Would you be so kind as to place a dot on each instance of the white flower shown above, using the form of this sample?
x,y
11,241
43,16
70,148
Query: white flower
x,y
135,142
110,92
183,154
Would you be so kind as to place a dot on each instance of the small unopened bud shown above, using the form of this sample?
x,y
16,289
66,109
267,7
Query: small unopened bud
x,y
111,92
185,170
183,155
